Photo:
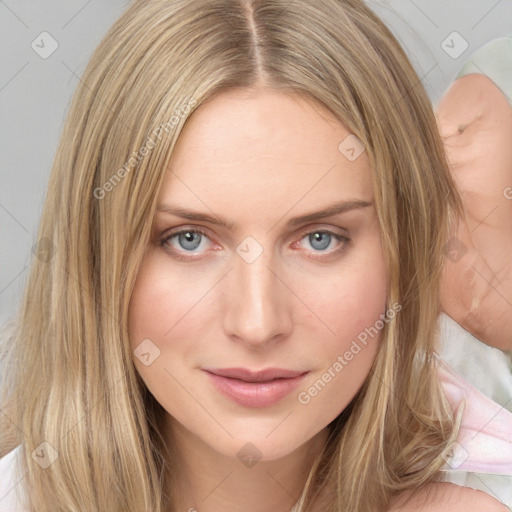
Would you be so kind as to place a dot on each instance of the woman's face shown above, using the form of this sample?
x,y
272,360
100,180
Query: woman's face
x,y
277,284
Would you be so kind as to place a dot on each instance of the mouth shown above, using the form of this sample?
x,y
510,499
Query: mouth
x,y
247,375
255,388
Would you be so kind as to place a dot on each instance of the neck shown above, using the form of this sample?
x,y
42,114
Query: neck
x,y
208,481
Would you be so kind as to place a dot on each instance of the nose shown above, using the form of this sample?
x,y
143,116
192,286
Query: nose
x,y
258,302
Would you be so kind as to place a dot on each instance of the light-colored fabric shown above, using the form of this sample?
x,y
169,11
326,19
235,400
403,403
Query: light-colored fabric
x,y
493,59
12,497
484,441
486,368
480,375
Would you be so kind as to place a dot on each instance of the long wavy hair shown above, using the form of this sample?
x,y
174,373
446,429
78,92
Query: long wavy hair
x,y
69,379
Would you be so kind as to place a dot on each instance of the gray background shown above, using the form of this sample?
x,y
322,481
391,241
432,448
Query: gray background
x,y
35,91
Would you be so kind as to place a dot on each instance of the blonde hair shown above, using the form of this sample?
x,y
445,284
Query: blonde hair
x,y
69,378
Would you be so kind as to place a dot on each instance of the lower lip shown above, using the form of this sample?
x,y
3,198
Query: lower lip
x,y
255,394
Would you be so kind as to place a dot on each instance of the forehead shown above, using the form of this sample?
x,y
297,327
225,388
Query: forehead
x,y
265,148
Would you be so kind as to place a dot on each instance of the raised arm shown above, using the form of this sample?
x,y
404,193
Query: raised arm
x,y
475,122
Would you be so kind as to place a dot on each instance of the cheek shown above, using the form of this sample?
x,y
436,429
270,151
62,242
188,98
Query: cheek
x,y
147,305
355,296
353,307
159,323
162,301
357,324
364,298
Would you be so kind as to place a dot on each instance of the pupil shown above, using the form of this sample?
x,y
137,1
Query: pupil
x,y
323,238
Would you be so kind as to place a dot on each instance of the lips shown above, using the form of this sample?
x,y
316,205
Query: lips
x,y
255,388
255,376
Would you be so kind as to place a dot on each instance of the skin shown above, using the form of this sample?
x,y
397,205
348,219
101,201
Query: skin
x,y
475,122
236,161
446,497
257,159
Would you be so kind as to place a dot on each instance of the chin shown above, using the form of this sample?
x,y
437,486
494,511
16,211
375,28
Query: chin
x,y
264,445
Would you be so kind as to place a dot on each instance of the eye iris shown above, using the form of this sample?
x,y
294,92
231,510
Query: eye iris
x,y
188,238
324,239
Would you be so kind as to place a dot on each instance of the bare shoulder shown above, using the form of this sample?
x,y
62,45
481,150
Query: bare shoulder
x,y
445,497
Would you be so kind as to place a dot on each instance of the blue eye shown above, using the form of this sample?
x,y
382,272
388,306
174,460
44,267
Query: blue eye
x,y
321,240
189,240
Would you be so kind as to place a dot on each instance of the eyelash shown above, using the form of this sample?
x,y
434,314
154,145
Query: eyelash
x,y
339,251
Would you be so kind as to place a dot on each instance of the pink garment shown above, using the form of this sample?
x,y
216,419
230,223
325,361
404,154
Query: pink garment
x,y
484,441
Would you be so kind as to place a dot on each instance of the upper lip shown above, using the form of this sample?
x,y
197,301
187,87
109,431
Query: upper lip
x,y
255,376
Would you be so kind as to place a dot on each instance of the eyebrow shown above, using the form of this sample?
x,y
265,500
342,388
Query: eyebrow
x,y
334,209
